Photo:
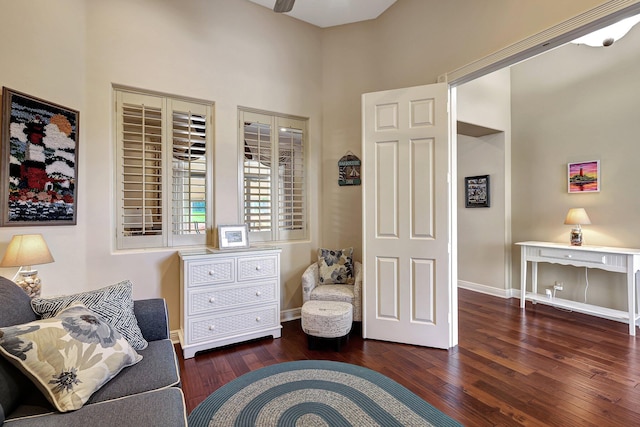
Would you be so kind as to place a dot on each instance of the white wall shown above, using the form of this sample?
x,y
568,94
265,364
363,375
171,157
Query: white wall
x,y
234,53
573,104
484,233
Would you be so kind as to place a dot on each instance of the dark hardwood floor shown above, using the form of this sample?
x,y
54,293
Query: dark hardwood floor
x,y
541,367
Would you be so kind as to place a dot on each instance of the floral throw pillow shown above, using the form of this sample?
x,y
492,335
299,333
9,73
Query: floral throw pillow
x,y
335,266
69,356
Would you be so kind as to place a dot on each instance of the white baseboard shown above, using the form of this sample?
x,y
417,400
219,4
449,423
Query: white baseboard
x,y
490,290
292,314
173,335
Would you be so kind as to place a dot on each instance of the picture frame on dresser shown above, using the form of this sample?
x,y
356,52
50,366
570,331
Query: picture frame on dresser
x,y
233,236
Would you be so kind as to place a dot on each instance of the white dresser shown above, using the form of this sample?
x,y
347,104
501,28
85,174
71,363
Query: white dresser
x,y
228,296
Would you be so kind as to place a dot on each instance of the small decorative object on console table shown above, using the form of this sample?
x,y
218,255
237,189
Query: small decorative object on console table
x,y
577,217
228,297
27,250
618,260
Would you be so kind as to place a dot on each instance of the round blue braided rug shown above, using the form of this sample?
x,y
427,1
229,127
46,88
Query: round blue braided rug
x,y
315,393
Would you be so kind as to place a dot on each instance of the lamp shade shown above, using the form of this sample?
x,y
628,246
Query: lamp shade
x,y
577,216
26,249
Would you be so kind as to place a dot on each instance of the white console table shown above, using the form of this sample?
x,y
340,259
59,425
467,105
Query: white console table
x,y
619,260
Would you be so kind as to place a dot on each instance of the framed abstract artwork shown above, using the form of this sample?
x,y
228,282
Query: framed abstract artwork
x,y
476,191
39,166
583,177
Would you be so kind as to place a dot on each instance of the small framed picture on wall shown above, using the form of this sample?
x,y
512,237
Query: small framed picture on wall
x,y
583,177
476,191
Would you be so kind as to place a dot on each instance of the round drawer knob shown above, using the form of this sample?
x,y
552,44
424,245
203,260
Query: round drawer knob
x,y
258,293
257,319
212,327
211,272
258,268
569,256
212,300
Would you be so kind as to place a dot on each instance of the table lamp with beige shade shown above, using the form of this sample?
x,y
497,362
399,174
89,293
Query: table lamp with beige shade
x,y
577,217
25,251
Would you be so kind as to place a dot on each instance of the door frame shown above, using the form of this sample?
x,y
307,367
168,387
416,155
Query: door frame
x,y
551,38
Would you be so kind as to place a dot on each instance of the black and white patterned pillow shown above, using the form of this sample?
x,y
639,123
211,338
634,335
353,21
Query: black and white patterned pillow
x,y
113,303
335,266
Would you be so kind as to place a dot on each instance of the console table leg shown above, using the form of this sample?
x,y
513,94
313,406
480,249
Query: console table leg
x,y
523,275
631,295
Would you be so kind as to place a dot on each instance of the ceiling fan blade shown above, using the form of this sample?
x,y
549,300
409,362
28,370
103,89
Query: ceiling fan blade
x,y
283,6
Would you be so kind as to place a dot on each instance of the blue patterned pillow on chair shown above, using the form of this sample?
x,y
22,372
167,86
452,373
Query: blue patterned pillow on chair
x,y
335,266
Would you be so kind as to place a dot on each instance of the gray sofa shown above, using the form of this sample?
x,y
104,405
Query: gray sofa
x,y
145,394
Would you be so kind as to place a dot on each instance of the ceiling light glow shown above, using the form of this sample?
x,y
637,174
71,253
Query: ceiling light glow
x,y
608,35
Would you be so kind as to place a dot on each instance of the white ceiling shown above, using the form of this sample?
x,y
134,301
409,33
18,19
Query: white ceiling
x,y
329,13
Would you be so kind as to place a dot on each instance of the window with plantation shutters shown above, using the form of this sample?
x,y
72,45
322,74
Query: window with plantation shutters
x,y
162,170
273,164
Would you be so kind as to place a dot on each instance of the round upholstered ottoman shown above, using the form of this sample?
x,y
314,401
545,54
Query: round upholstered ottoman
x,y
327,320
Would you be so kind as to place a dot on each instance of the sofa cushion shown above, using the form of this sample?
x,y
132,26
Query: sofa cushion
x,y
342,293
335,266
15,309
113,303
156,408
158,369
69,356
16,304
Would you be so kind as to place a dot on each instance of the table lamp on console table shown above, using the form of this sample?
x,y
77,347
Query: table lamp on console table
x,y
577,217
25,250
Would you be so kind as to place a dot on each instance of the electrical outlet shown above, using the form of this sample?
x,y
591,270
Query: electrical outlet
x,y
558,286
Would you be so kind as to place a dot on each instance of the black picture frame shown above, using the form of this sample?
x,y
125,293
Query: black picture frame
x,y
39,166
477,191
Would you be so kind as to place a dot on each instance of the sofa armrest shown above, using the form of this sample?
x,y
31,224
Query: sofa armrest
x,y
309,281
153,318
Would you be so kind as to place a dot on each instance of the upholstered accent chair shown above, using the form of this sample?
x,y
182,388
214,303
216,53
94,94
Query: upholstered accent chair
x,y
312,289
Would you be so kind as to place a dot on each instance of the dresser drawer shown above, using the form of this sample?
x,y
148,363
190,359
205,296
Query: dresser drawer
x,y
562,254
209,299
250,268
217,326
211,272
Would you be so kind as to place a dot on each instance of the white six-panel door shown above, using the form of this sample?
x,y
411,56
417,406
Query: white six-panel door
x,y
407,161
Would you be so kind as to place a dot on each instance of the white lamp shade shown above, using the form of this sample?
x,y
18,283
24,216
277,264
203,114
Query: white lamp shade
x,y
577,216
26,249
